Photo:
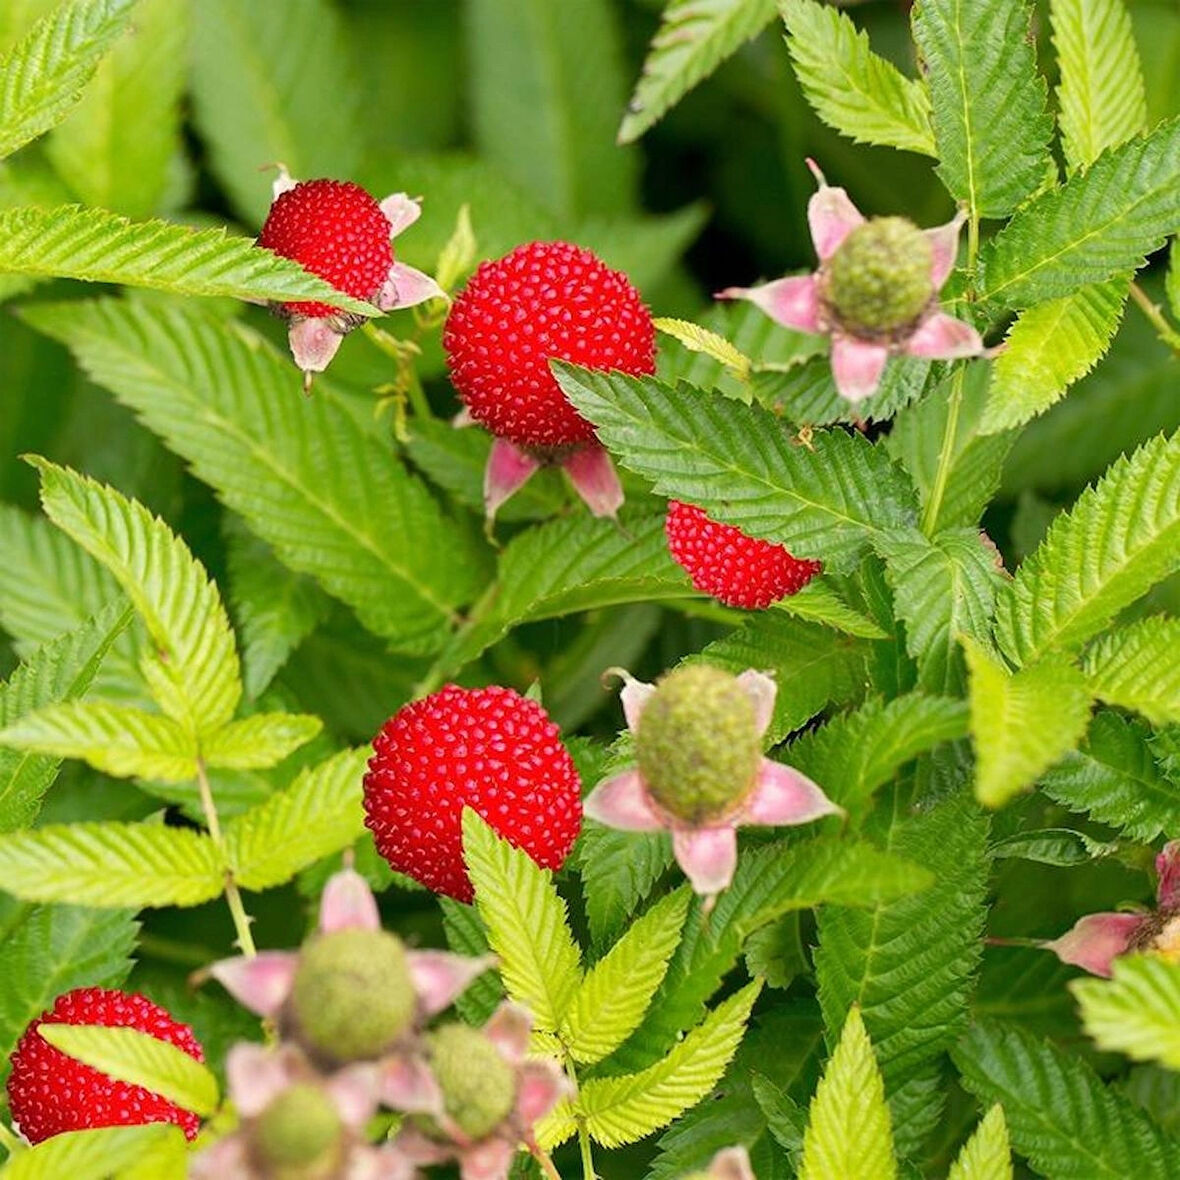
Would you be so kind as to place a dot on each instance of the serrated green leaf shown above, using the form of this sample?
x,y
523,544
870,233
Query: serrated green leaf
x,y
1137,1011
194,672
100,247
1100,223
704,340
106,1153
260,741
318,814
1135,667
44,74
851,88
139,1059
115,739
1059,1113
785,1119
943,588
111,864
61,670
909,962
1101,91
615,993
371,534
986,1155
1061,847
820,602
1021,722
1173,279
1048,348
988,100
526,923
693,39
1119,539
1114,777
827,499
618,870
467,935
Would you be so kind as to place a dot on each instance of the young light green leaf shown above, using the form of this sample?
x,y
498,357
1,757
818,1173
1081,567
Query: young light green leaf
x,y
1101,92
990,123
43,76
1059,1113
848,1128
371,534
1135,667
318,814
827,499
100,247
139,1059
116,739
1048,348
526,921
194,673
111,864
1119,539
1060,847
1022,722
1137,1011
986,1155
101,1154
1101,223
616,991
704,340
693,39
258,742
820,602
852,89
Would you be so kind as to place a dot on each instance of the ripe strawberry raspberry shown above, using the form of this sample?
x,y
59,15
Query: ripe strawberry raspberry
x,y
49,1092
486,748
735,569
544,301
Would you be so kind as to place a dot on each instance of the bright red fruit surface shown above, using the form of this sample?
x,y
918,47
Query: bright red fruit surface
x,y
545,300
735,569
486,748
49,1092
337,231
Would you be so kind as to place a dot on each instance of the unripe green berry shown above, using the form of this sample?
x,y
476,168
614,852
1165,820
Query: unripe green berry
x,y
878,281
298,1136
698,744
352,996
478,1085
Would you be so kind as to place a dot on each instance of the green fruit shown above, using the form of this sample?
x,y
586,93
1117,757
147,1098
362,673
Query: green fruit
x,y
878,281
698,744
478,1085
299,1136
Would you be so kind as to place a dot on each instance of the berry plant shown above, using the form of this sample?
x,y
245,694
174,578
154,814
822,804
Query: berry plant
x,y
590,589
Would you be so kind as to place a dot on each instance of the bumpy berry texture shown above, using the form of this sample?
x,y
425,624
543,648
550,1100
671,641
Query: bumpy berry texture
x,y
478,1085
735,569
300,1135
334,229
545,300
487,748
49,1093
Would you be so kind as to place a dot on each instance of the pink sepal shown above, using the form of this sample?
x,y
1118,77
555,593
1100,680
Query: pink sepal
x,y
227,1159
463,419
1167,866
782,796
354,1090
595,480
761,689
489,1159
831,215
634,697
792,302
401,211
406,1084
733,1163
314,342
377,1163
509,1029
541,1085
944,248
941,337
622,802
708,857
421,1149
348,903
262,983
440,976
1096,941
508,470
257,1075
857,366
407,287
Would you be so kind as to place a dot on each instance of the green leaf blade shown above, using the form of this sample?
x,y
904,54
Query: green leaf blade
x,y
1137,1011
1135,667
102,1153
260,741
986,1155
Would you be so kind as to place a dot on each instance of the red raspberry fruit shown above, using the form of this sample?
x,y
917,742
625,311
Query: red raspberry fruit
x,y
735,569
486,748
545,300
334,229
49,1092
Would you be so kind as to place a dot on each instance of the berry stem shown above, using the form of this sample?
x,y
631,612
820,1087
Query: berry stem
x,y
945,454
232,896
444,665
588,1172
546,1164
1159,321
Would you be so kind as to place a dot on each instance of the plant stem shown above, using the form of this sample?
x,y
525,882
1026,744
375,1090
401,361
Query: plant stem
x,y
547,1165
949,438
972,251
232,896
438,671
1159,321
588,1172
9,1140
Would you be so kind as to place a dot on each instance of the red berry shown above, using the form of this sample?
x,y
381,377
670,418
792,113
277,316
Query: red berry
x,y
337,231
545,300
735,569
49,1092
486,748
